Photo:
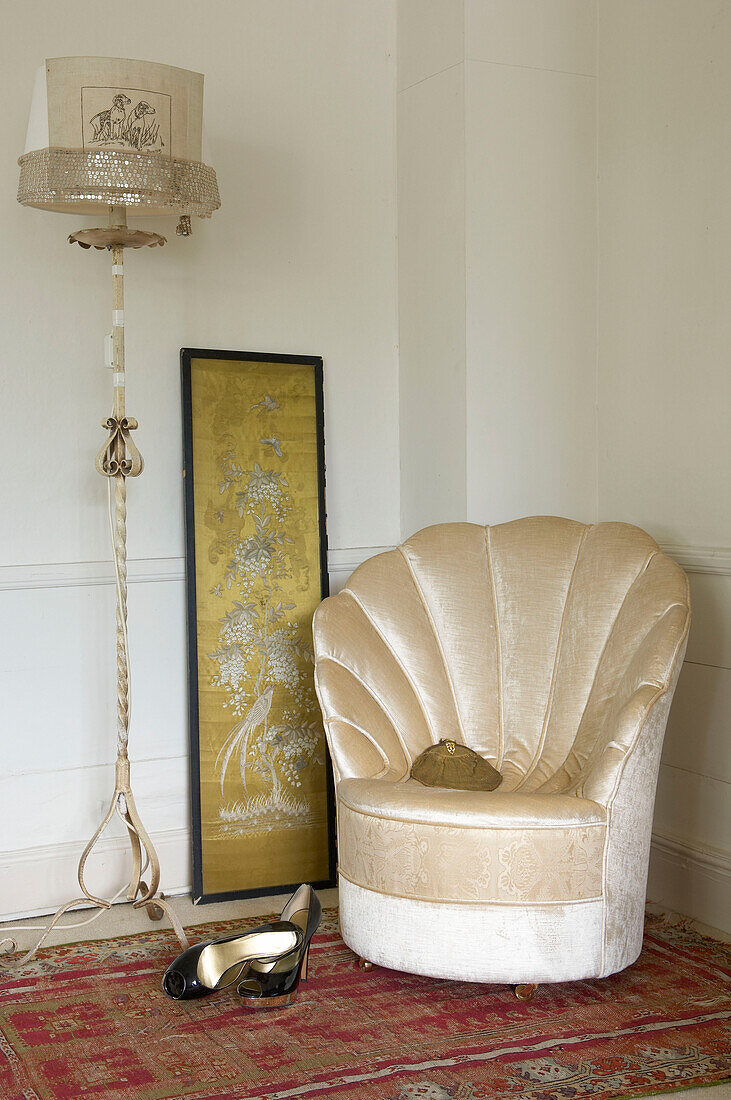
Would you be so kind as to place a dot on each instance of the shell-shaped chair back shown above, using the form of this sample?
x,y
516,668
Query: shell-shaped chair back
x,y
516,640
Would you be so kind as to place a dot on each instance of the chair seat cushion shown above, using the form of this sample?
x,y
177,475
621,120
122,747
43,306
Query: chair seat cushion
x,y
428,843
412,801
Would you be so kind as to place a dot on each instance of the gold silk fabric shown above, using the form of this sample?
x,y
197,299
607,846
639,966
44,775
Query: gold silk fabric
x,y
551,648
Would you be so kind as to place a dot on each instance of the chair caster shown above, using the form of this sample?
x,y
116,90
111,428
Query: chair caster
x,y
525,992
364,964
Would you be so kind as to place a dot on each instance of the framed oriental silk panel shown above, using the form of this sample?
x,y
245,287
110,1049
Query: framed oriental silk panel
x,y
256,569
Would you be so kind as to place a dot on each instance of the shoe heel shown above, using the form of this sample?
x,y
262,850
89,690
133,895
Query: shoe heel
x,y
305,963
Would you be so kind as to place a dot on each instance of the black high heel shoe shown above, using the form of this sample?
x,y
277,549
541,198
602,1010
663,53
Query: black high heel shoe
x,y
214,964
275,984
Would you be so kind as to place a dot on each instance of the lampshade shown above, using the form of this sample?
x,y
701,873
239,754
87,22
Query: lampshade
x,y
106,131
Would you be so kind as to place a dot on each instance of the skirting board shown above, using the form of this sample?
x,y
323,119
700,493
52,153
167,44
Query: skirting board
x,y
691,879
686,878
49,872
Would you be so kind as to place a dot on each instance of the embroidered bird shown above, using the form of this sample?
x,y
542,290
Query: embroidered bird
x,y
274,443
267,402
238,738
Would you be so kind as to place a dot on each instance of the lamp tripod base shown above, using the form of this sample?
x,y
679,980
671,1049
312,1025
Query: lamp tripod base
x,y
138,892
143,852
144,855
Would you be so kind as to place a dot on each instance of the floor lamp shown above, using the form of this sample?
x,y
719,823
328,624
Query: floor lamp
x,y
105,136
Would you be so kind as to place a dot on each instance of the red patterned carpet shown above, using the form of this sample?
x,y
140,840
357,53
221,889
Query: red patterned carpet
x,y
89,1020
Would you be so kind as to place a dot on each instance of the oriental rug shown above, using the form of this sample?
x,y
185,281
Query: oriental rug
x,y
89,1020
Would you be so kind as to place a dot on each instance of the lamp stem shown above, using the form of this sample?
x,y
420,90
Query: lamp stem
x,y
120,493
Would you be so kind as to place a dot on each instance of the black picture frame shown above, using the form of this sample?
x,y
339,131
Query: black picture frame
x,y
187,356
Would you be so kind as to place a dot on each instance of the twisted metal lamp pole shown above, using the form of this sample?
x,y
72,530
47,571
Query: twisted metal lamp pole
x,y
117,460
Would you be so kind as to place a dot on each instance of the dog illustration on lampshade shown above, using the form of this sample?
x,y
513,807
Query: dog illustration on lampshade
x,y
128,127
107,125
139,125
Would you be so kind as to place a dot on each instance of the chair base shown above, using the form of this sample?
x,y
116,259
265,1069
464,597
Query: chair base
x,y
364,964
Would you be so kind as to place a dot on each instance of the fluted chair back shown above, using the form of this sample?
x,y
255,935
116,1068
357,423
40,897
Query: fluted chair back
x,y
523,640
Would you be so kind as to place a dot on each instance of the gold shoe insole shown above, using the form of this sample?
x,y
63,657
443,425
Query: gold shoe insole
x,y
300,919
218,958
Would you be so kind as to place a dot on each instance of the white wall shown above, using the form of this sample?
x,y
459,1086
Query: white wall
x,y
531,256
431,285
300,258
497,259
664,244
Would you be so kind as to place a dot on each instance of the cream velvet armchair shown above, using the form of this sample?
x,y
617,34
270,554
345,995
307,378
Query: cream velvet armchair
x,y
551,648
